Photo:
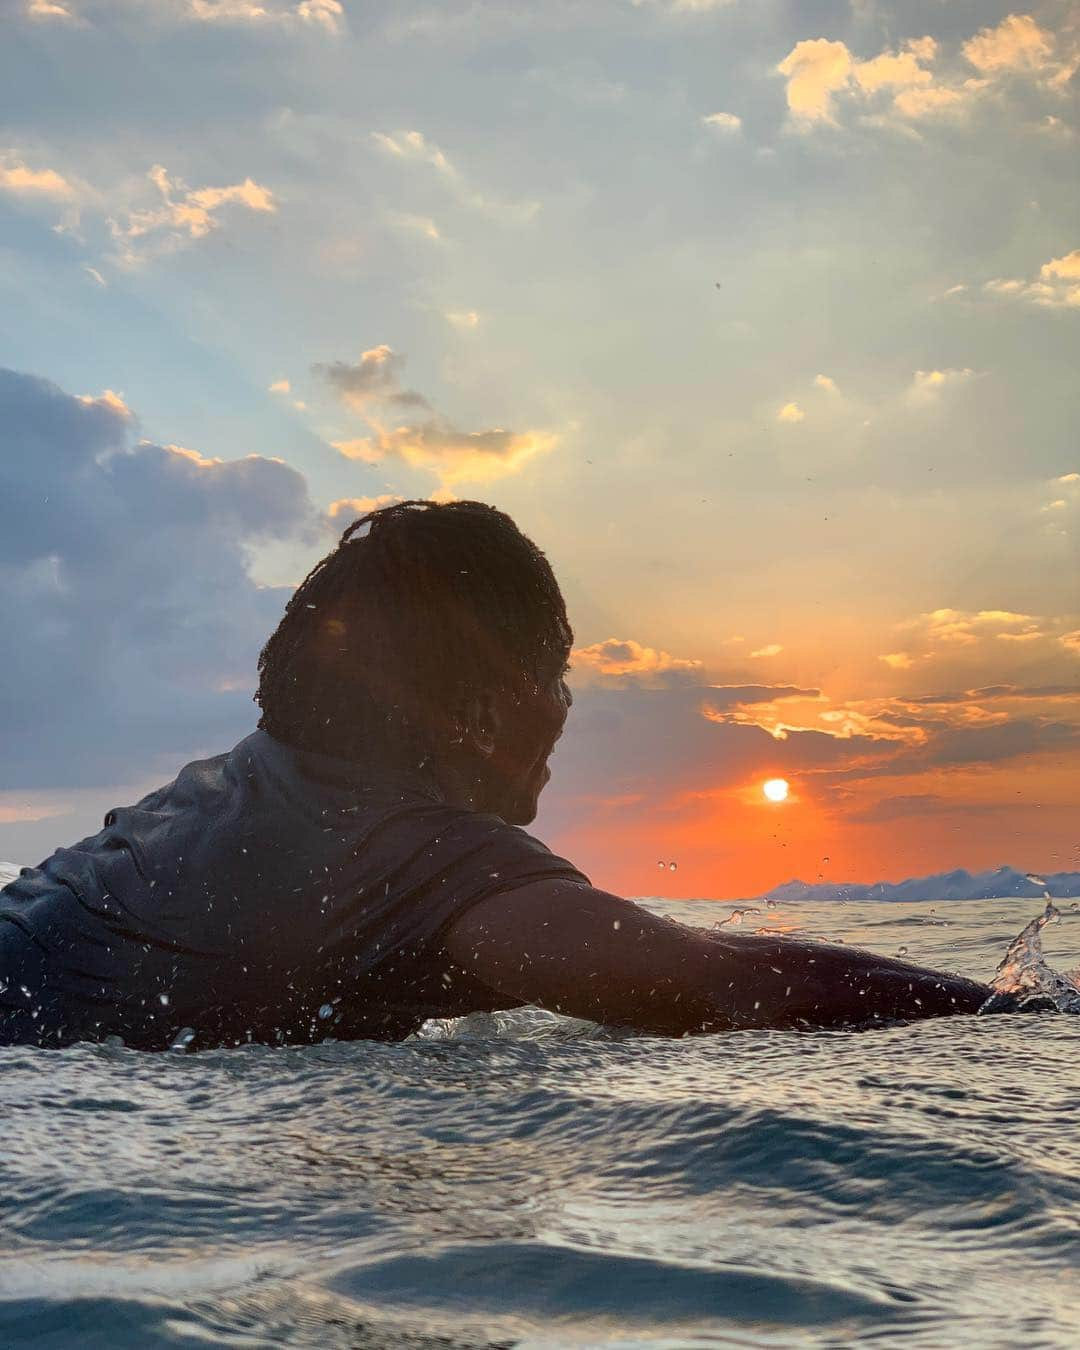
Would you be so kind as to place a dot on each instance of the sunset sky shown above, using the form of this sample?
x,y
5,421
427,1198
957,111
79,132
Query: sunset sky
x,y
762,318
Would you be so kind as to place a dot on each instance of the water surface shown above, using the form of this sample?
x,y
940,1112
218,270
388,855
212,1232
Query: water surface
x,y
527,1181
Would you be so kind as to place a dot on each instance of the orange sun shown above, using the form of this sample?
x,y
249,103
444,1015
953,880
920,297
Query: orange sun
x,y
775,789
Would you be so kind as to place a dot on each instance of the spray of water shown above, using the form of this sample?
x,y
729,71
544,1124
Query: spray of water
x,y
1023,982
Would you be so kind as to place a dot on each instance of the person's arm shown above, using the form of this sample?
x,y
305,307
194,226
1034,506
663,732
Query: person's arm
x,y
573,949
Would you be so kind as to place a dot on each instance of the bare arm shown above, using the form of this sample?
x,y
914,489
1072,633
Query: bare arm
x,y
576,950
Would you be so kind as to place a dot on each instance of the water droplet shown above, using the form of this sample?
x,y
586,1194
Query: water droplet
x,y
825,860
182,1040
901,951
770,904
616,924
660,864
163,999
326,1011
672,866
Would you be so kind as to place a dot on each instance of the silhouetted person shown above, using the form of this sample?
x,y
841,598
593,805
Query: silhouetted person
x,y
357,864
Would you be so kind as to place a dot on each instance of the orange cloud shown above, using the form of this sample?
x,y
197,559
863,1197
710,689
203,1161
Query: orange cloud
x,y
183,214
360,506
1017,43
623,659
456,456
1057,285
19,178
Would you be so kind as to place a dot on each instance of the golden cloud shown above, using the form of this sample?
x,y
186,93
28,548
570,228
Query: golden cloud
x,y
184,213
456,456
819,72
360,506
1057,286
18,177
624,659
1017,43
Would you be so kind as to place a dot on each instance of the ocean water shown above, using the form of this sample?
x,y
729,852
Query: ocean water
x,y
523,1180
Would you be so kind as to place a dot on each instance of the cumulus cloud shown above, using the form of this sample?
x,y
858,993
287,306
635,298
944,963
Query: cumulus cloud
x,y
903,84
624,661
182,214
1017,43
815,69
456,456
328,15
19,178
348,507
827,383
790,412
958,634
1056,287
372,387
133,622
374,379
771,649
926,385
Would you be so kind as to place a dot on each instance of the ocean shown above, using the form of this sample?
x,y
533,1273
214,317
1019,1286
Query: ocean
x,y
524,1180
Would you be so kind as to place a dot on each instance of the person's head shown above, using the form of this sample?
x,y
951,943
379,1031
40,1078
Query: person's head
x,y
435,632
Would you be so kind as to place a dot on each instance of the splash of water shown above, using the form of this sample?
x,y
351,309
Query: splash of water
x,y
1024,982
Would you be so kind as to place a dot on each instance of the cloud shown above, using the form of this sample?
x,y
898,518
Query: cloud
x,y
95,275
898,660
686,6
413,147
183,214
815,70
328,15
124,573
827,383
790,412
413,224
279,387
360,506
724,122
17,177
373,384
1016,44
1057,286
464,319
926,385
456,456
957,634
50,9
372,380
901,84
623,661
772,649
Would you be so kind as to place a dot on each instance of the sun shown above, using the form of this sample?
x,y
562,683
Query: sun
x,y
776,789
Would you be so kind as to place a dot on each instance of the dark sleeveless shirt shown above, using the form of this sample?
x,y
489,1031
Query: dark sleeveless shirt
x,y
266,895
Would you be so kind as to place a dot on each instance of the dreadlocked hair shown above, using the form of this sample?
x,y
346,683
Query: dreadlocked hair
x,y
389,636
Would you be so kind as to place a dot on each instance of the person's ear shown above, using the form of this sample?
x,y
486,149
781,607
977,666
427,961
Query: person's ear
x,y
482,723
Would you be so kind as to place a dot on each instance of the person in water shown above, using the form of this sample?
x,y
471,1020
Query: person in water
x,y
358,864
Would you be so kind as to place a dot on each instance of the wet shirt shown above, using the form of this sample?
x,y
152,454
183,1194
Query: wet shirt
x,y
266,895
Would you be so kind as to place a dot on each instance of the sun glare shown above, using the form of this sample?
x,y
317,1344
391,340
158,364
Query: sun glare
x,y
776,789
